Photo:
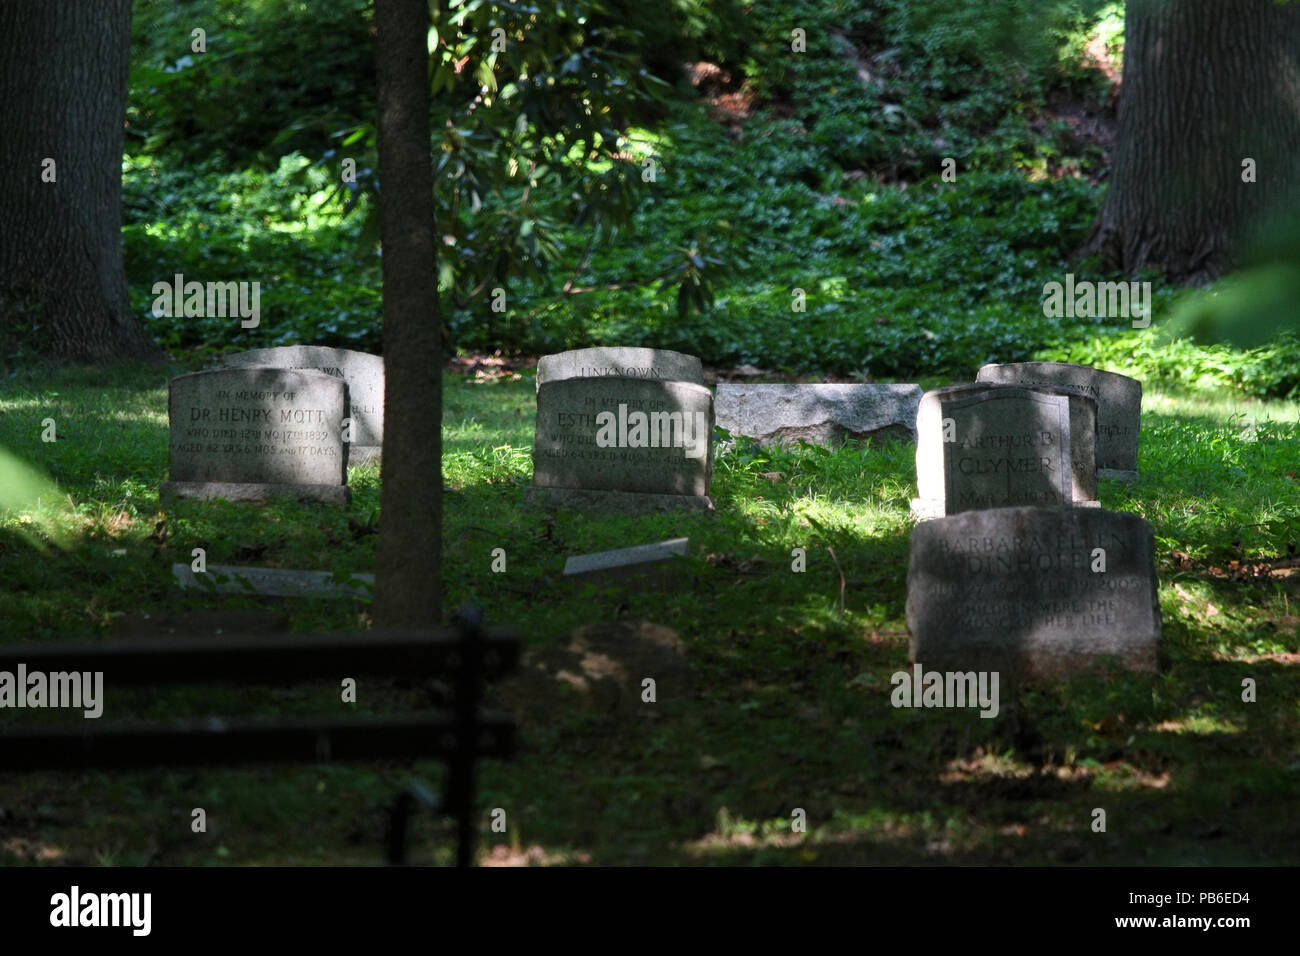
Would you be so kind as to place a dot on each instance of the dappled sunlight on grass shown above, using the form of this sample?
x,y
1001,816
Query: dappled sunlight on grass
x,y
779,661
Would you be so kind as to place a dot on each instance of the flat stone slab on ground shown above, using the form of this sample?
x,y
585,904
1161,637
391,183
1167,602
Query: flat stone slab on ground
x,y
271,431
821,414
1015,590
620,362
249,492
1007,446
361,371
624,435
614,502
273,582
624,562
1119,406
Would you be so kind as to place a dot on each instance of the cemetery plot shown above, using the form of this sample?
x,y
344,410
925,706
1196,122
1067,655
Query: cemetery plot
x,y
363,373
248,434
1119,406
821,414
1033,592
1000,446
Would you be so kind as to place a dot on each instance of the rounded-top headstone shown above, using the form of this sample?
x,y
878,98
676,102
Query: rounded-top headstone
x,y
363,373
986,445
1119,406
620,362
626,436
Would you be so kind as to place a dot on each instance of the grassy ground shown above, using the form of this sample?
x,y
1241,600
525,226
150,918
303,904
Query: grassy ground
x,y
790,707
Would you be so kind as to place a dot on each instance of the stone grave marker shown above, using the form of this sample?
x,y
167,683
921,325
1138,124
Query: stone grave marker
x,y
363,373
1119,406
985,445
625,444
1033,592
620,362
246,434
656,562
822,414
272,582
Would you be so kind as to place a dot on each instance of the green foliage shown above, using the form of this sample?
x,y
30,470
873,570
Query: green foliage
x,y
893,87
1272,370
278,76
1259,303
776,660
248,227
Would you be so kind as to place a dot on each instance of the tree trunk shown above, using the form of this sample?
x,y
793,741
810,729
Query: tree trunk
x,y
1206,86
63,70
407,578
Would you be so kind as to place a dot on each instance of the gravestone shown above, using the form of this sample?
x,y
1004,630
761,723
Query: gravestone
x,y
626,444
272,582
1033,592
620,362
654,562
985,445
1119,406
246,434
821,414
363,373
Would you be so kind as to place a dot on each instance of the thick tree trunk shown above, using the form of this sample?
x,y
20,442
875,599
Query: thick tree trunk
x,y
1206,86
407,579
63,70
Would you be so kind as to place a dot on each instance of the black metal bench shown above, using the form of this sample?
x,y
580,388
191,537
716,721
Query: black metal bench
x,y
468,656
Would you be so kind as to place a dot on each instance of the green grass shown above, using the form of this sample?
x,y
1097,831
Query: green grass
x,y
791,703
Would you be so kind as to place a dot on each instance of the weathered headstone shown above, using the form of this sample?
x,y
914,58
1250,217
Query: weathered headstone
x,y
363,373
651,561
1033,592
246,434
625,444
620,362
822,414
1119,406
1002,446
272,582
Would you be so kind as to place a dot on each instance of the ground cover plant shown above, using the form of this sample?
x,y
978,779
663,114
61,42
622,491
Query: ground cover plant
x,y
778,661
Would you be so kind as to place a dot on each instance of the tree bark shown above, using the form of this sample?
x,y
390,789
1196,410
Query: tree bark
x,y
1206,85
407,579
63,70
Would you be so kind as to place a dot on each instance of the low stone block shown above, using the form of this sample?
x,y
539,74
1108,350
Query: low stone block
x,y
820,414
